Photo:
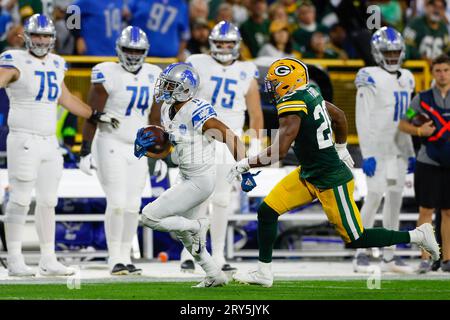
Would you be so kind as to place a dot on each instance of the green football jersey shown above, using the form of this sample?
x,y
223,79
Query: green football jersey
x,y
314,146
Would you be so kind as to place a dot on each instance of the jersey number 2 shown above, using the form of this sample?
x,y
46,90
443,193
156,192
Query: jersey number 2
x,y
142,102
53,89
324,131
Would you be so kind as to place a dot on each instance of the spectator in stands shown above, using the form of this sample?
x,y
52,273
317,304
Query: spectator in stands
x,y
392,13
65,42
290,7
28,7
198,9
318,48
280,44
338,42
278,12
166,23
5,25
240,12
101,23
426,36
432,174
14,39
255,31
224,13
307,25
199,38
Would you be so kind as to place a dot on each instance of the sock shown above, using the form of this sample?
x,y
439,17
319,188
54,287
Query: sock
x,y
45,226
267,231
113,231
218,230
130,224
388,253
361,251
380,237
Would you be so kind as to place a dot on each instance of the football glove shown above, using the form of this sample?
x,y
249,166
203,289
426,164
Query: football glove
x,y
369,166
411,164
344,155
102,117
239,168
248,183
87,164
142,142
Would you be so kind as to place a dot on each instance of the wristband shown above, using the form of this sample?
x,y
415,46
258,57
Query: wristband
x,y
85,148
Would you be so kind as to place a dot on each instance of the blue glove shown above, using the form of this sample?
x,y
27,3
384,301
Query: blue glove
x,y
248,183
411,164
369,166
142,142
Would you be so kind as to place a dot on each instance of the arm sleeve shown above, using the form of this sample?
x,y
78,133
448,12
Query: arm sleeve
x,y
364,104
201,115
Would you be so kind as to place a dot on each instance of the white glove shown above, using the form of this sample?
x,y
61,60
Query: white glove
x,y
87,164
254,148
344,155
239,168
160,170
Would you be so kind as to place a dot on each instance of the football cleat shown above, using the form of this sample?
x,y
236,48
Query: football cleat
x,y
188,266
424,266
199,237
132,270
436,265
51,267
361,263
217,281
120,269
396,265
18,268
228,268
254,277
445,266
427,240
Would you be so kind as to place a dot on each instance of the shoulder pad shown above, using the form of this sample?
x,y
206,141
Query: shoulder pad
x,y
364,79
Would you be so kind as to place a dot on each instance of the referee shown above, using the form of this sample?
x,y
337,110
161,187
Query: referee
x,y
432,173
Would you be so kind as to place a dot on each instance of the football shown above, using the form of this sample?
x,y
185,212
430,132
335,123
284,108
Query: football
x,y
419,119
162,143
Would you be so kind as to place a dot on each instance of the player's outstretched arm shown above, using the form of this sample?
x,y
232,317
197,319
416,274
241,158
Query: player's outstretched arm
x,y
219,131
73,103
8,75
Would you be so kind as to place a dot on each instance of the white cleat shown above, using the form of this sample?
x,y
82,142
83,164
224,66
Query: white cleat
x,y
51,267
428,240
396,265
18,268
218,281
254,277
199,237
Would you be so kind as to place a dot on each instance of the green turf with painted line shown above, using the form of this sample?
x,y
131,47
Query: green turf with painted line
x,y
281,290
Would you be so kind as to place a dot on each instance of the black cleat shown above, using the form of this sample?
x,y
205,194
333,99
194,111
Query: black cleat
x,y
436,265
133,270
188,266
120,270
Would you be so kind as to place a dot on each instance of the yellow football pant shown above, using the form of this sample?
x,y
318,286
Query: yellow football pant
x,y
292,192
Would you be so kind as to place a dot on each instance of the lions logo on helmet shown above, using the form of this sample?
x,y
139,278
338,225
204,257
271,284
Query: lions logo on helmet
x,y
285,76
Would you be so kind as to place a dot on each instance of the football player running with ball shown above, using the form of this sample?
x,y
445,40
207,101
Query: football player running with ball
x,y
323,174
125,90
192,126
34,82
232,88
384,93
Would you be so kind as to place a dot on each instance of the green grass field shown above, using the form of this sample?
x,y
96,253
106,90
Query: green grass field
x,y
281,290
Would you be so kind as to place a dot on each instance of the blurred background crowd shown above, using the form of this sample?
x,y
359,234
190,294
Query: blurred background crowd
x,y
322,29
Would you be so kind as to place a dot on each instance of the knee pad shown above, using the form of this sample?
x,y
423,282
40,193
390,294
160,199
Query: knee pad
x,y
267,214
16,213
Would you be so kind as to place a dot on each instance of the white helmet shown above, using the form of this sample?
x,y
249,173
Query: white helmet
x,y
384,40
225,31
178,82
132,38
41,25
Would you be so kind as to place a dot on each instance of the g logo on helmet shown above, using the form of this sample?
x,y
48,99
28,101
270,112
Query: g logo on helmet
x,y
282,71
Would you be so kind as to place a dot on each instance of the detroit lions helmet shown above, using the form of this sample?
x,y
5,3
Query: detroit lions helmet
x,y
132,48
39,24
179,82
225,32
388,48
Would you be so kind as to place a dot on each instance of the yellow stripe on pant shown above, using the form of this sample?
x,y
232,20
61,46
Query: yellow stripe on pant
x,y
293,192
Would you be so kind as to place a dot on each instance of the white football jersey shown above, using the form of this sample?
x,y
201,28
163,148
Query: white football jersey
x,y
225,87
34,96
381,101
194,150
130,97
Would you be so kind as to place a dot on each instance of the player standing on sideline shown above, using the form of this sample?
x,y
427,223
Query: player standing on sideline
x,y
34,81
232,88
125,90
323,172
383,95
192,125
